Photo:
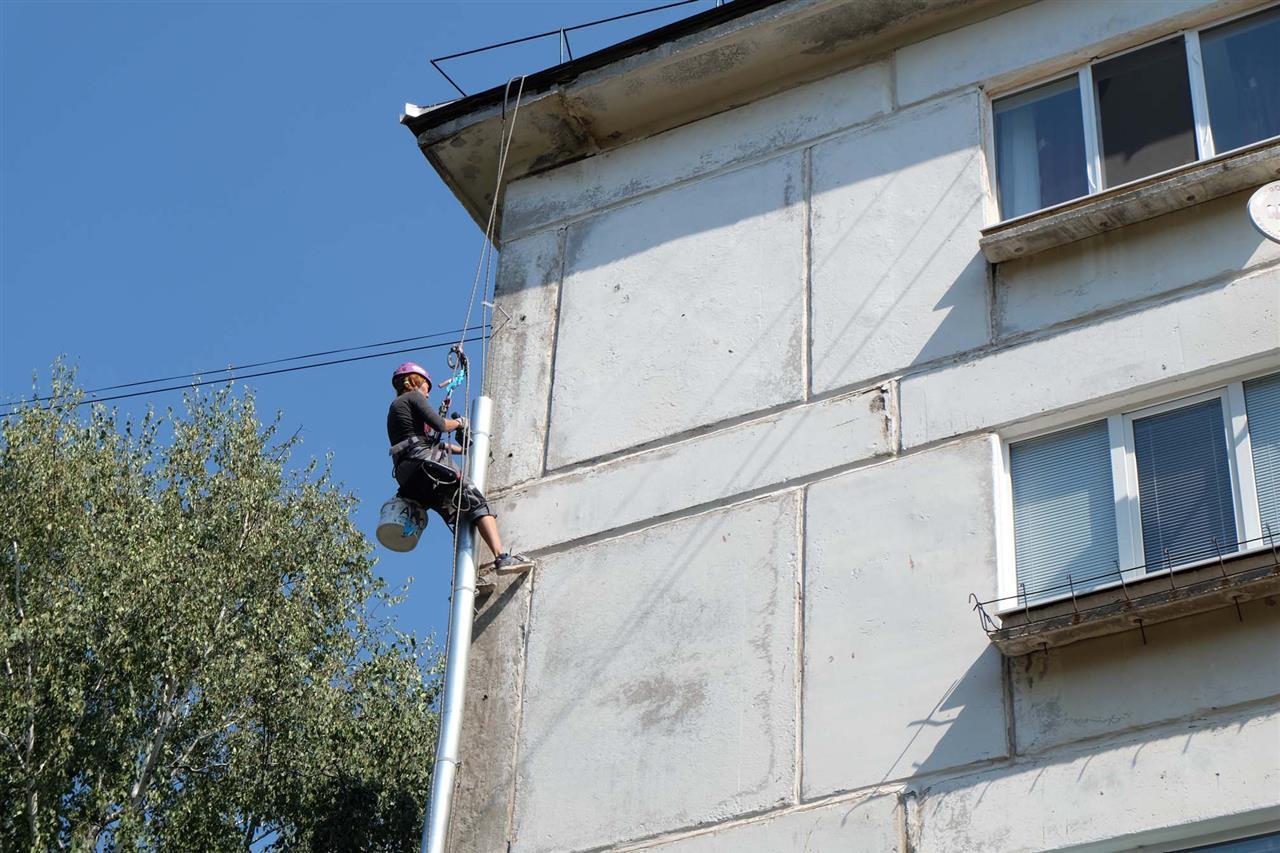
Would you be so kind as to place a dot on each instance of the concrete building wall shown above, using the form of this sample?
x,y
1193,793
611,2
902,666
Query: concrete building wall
x,y
751,399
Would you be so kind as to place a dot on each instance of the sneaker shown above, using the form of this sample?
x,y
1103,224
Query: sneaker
x,y
510,564
486,584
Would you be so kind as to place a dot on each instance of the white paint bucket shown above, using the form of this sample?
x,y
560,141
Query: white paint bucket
x,y
400,524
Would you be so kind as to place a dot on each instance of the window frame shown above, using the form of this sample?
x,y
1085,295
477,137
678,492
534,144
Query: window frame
x,y
1177,842
1094,179
1129,560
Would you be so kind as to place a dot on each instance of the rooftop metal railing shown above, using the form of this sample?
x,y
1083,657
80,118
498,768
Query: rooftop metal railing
x,y
561,34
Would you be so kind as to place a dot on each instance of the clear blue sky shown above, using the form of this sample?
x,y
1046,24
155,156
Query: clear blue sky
x,y
185,186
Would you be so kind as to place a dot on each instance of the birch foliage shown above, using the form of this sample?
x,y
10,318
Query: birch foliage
x,y
194,652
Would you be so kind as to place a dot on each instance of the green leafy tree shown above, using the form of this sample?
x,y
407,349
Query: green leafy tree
x,y
194,651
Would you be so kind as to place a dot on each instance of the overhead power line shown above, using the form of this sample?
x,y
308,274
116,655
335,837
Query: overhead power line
x,y
198,383
195,374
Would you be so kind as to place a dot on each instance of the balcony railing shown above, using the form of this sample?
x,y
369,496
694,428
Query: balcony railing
x,y
1210,577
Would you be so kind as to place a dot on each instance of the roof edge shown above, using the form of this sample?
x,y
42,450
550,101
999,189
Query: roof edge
x,y
566,72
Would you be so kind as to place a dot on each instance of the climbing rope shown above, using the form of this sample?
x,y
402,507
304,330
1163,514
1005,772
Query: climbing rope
x,y
462,375
484,269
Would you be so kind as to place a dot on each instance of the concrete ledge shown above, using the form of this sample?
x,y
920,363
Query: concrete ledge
x,y
1085,371
1131,203
1165,675
1175,782
768,451
1239,578
865,825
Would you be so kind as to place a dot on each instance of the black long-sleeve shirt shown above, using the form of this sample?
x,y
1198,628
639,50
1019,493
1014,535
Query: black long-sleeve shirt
x,y
410,415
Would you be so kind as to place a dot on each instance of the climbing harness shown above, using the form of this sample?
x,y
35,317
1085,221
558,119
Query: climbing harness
x,y
402,521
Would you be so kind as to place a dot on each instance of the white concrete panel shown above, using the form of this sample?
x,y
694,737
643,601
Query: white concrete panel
x,y
680,310
519,368
1188,666
491,720
660,680
797,442
1026,37
754,130
1090,363
897,274
1098,795
1135,262
856,826
899,678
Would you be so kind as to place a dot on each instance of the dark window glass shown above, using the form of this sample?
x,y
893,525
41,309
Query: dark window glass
x,y
1269,843
1144,112
1184,485
1040,157
1242,78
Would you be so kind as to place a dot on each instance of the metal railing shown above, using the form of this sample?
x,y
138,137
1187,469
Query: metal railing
x,y
1171,564
561,35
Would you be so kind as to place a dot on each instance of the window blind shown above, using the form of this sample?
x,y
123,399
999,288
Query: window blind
x,y
1262,405
1184,485
1063,512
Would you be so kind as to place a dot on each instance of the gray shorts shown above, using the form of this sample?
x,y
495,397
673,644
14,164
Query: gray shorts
x,y
433,486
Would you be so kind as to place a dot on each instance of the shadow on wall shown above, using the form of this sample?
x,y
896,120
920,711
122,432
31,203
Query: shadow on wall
x,y
898,278
895,266
1209,242
954,711
1190,669
1187,667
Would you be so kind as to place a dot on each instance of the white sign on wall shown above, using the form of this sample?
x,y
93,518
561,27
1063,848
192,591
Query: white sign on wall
x,y
1264,210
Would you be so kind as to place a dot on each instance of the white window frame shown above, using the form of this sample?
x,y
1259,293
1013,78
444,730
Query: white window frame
x,y
1205,146
1124,478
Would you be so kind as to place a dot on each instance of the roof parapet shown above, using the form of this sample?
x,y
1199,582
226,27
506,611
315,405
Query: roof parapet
x,y
688,70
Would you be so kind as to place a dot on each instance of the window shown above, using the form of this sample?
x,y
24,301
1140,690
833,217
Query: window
x,y
1269,843
1063,509
1145,123
1040,140
1262,402
1143,491
1184,483
1241,67
1142,112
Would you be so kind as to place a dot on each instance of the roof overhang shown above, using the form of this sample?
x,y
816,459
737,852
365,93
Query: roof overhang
x,y
696,67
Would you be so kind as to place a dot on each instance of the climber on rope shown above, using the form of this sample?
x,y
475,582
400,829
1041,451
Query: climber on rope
x,y
423,465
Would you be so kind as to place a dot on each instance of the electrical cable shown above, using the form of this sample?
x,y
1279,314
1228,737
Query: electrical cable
x,y
15,406
234,367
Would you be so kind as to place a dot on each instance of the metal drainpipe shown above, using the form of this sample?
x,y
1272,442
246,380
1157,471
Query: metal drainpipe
x,y
435,830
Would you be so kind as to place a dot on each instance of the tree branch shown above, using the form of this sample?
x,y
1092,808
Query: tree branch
x,y
249,830
182,760
164,721
16,752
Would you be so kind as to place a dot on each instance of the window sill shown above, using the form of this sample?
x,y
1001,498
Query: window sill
x,y
1133,202
1157,598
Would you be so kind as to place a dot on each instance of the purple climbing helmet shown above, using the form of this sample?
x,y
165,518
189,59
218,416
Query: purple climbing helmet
x,y
407,368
